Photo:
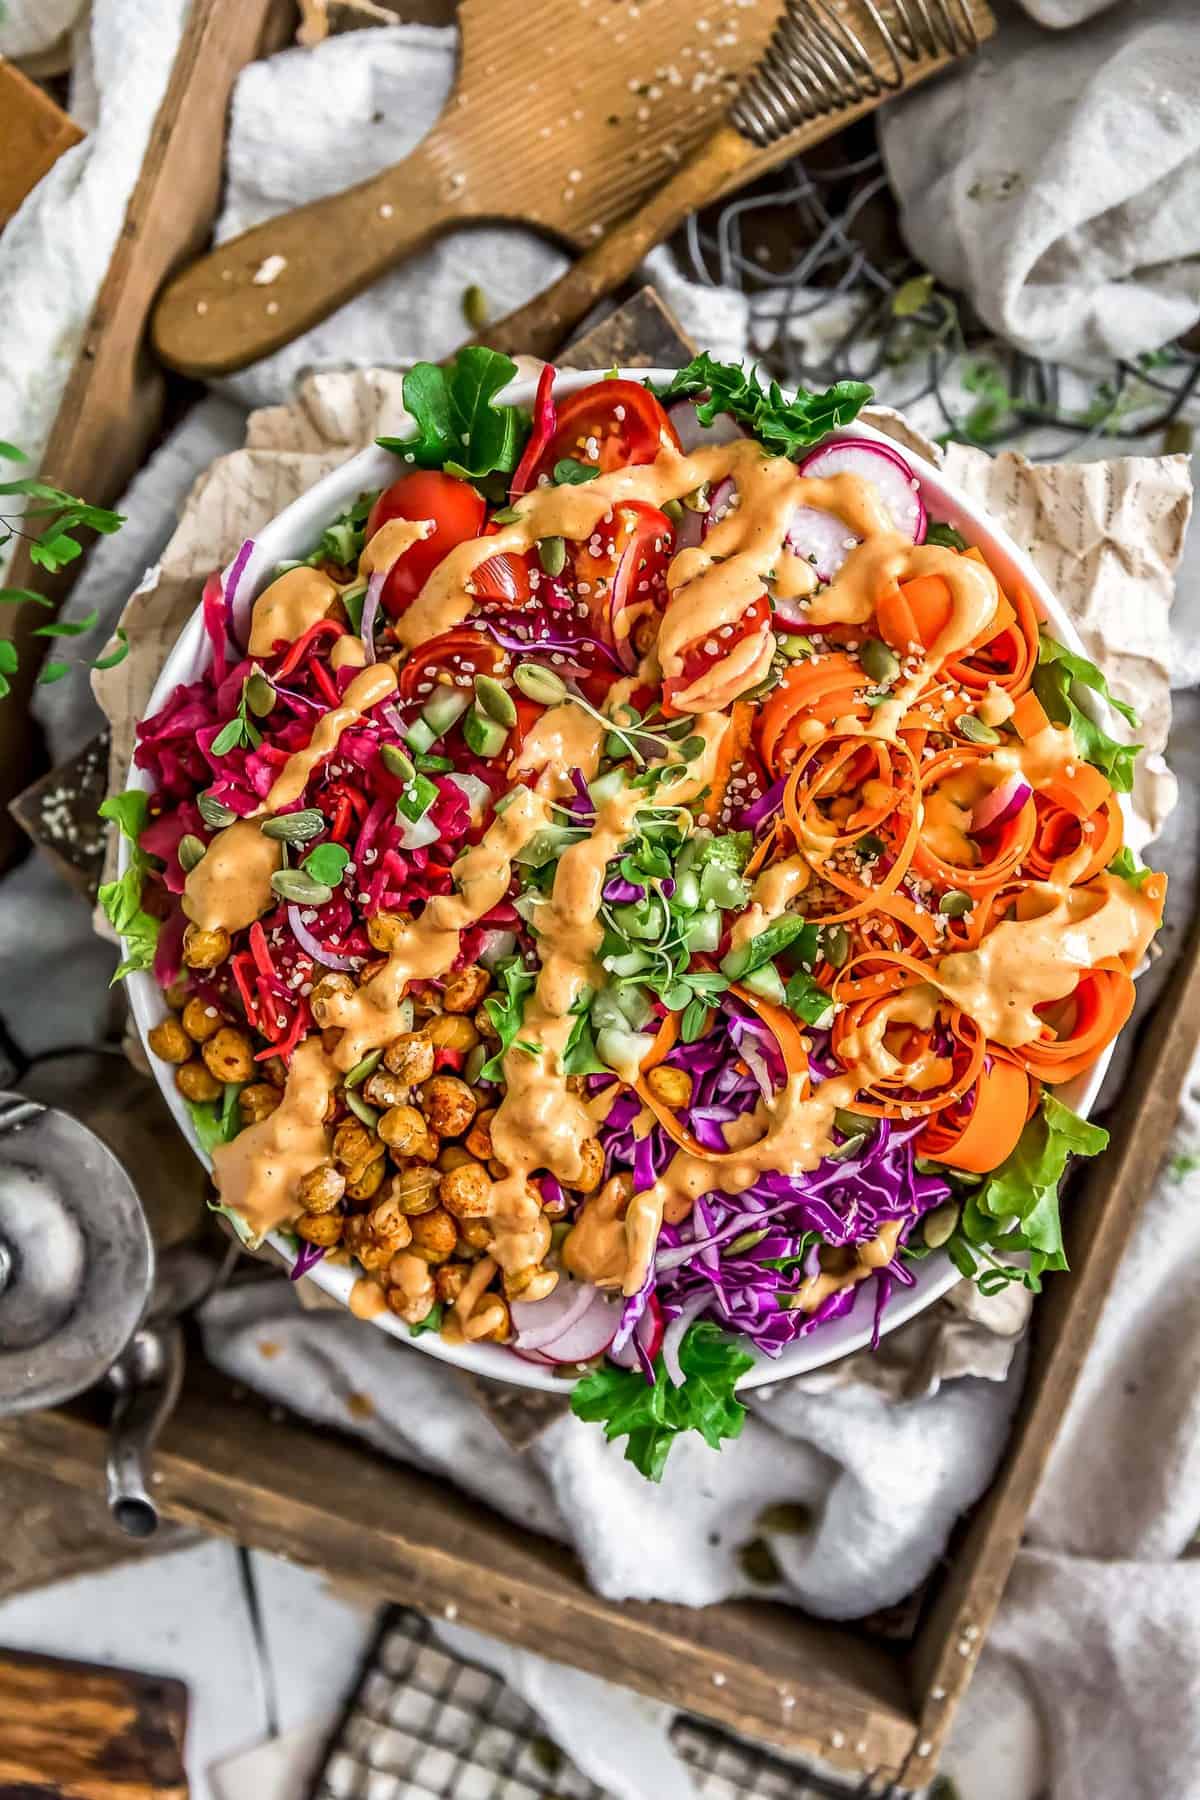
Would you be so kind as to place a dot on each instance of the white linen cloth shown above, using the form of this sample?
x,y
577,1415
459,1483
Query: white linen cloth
x,y
1094,1656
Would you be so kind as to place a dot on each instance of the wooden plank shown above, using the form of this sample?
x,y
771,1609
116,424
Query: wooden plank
x,y
113,401
34,132
1099,1218
71,1731
231,1466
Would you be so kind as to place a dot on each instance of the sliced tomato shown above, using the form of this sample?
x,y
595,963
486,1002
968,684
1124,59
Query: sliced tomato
x,y
609,425
705,653
458,514
622,570
461,655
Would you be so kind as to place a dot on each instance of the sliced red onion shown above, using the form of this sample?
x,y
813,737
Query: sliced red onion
x,y
495,946
392,716
692,434
232,580
891,476
316,949
689,533
1002,804
674,1335
570,646
370,612
474,789
768,803
419,832
577,1333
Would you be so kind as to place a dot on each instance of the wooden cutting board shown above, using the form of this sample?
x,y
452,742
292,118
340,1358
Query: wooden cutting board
x,y
71,1731
564,115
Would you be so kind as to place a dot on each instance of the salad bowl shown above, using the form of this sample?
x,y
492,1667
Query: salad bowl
x,y
290,537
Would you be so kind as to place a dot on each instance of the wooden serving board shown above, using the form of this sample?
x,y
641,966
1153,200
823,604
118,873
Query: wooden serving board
x,y
72,1731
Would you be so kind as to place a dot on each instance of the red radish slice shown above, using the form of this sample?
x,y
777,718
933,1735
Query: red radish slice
x,y
539,1322
718,503
895,482
533,1356
1002,804
591,1333
692,434
649,1333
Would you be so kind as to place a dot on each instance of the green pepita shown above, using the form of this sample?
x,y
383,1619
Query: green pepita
x,y
301,889
475,307
552,554
215,814
538,683
294,828
397,762
361,1110
260,695
674,511
361,1070
507,515
190,850
747,1241
835,945
851,1148
976,732
697,500
495,701
938,1226
879,661
795,646
955,904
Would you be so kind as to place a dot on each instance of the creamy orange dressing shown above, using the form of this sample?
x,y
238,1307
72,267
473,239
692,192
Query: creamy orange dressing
x,y
365,691
348,653
259,1173
367,1298
564,738
1041,758
770,897
867,1048
290,606
385,548
1025,963
873,1253
230,886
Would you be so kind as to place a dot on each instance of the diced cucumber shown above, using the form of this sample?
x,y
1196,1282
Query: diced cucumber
x,y
703,932
721,887
605,786
766,983
545,845
486,737
443,707
606,1010
633,962
417,798
687,892
623,1050
634,1004
644,919
420,736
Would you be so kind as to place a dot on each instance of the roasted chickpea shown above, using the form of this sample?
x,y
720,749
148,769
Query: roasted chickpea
x,y
201,1020
405,1133
434,1236
331,1037
449,1105
410,1289
385,928
354,1147
591,1166
452,1031
331,987
467,1191
323,1229
672,1086
410,1057
205,949
367,1181
530,1284
489,1323
176,995
257,1102
322,1188
479,1138
170,1041
361,1241
452,1156
449,1280
274,1070
414,1189
390,1225
484,1026
496,1169
229,1054
385,1089
195,1082
474,1235
465,989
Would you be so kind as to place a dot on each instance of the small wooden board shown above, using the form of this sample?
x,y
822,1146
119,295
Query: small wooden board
x,y
72,1731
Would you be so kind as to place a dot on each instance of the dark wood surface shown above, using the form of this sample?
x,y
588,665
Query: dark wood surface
x,y
34,132
71,1731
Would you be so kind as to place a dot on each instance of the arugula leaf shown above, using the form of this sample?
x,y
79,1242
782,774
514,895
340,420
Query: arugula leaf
x,y
1054,681
569,472
459,426
217,1124
1128,868
807,999
507,1012
122,899
784,426
938,532
652,1418
1024,1189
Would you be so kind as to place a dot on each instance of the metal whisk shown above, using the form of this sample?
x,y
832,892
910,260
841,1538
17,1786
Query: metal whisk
x,y
826,58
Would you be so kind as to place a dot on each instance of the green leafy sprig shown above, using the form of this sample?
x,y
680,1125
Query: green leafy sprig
x,y
1059,676
460,428
122,899
784,426
652,1419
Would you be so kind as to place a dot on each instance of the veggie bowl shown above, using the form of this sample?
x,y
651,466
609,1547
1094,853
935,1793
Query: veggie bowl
x,y
626,885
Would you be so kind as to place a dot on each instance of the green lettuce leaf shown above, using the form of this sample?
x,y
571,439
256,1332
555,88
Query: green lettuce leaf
x,y
216,1123
784,426
652,1418
1060,673
459,426
121,900
1126,865
506,1012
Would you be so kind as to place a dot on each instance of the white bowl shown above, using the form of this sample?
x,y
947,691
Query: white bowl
x,y
291,535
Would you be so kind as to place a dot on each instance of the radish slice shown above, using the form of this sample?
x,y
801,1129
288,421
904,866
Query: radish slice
x,y
539,1322
891,476
718,503
692,434
590,1335
1002,804
649,1334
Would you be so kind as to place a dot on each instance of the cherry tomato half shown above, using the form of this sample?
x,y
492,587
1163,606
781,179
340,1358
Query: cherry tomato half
x,y
459,654
458,514
622,568
705,653
609,425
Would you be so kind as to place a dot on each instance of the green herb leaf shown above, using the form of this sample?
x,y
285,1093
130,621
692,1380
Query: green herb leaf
x,y
326,864
506,1012
342,541
431,1322
938,532
579,1057
570,473
22,597
911,296
789,933
1126,865
652,1418
216,1124
117,656
121,900
459,426
784,426
1059,673
10,453
51,672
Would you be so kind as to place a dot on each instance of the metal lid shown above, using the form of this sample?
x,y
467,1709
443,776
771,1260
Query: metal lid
x,y
76,1257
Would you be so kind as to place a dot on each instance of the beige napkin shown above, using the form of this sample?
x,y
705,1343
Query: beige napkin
x,y
1106,535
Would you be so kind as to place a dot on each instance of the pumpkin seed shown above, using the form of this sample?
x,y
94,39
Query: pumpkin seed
x,y
938,1226
747,1241
260,695
216,815
475,307
955,904
361,1070
697,500
835,945
361,1110
294,828
190,850
301,889
541,684
851,1148
976,732
396,762
552,554
495,701
674,511
508,515
879,661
